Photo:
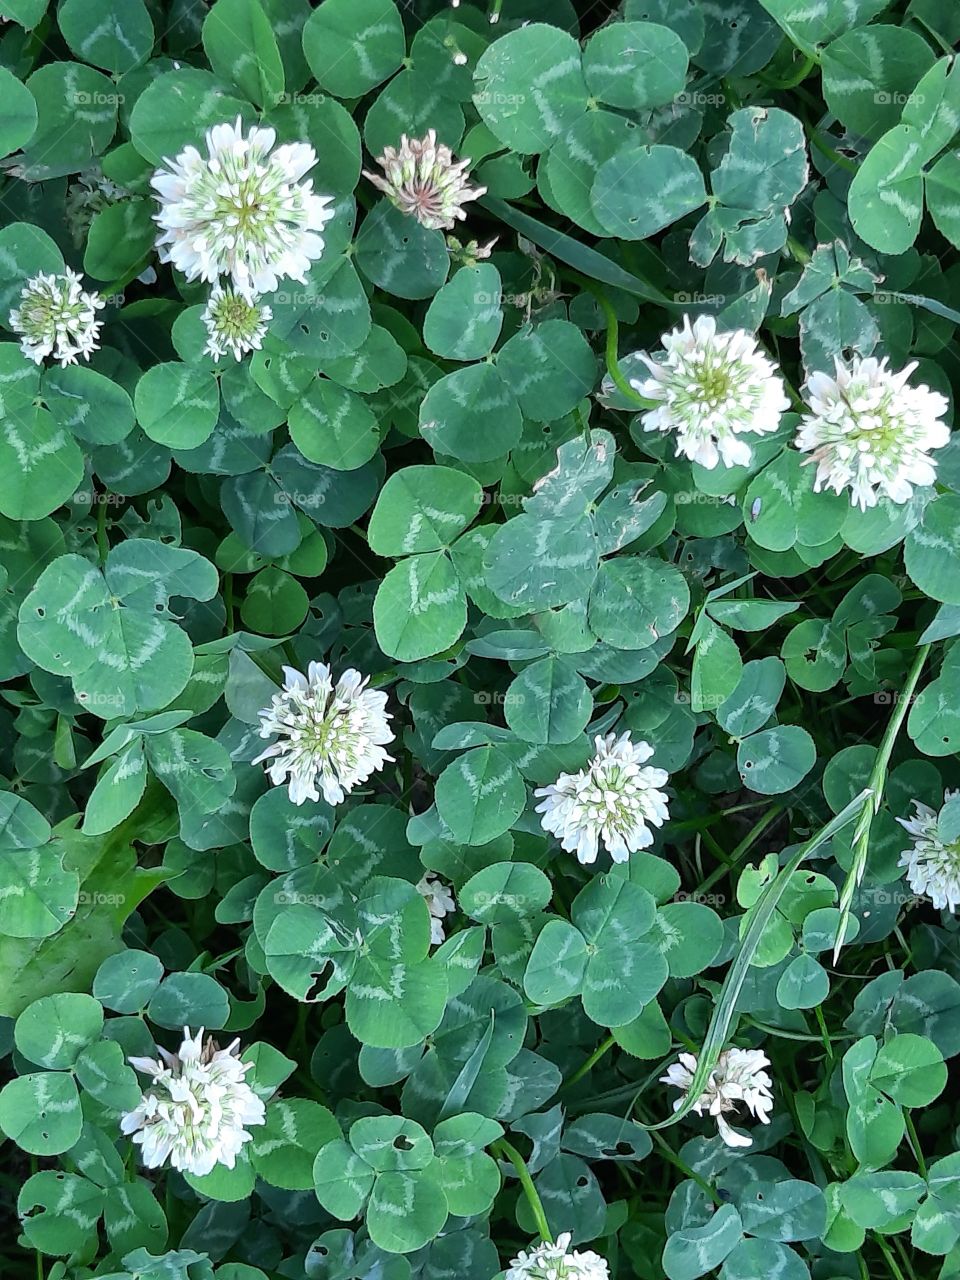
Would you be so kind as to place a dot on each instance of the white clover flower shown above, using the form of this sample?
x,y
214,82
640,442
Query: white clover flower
x,y
713,389
870,432
242,210
423,180
56,317
197,1108
612,800
557,1261
440,901
738,1077
234,322
329,735
933,864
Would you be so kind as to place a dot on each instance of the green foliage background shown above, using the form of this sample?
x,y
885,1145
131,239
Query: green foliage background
x,y
362,491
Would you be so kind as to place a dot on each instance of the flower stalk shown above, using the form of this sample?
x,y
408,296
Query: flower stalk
x,y
875,788
506,1149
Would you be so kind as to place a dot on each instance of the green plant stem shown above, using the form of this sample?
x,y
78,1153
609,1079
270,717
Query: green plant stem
x,y
710,840
755,832
813,1158
934,34
504,1148
710,819
904,1257
584,416
876,784
779,1033
103,545
117,286
790,82
298,1039
628,1093
928,304
169,1208
585,1068
899,715
39,1256
824,1033
674,1159
915,1143
797,250
888,1256
907,949
228,599
407,778
808,50
612,348
816,141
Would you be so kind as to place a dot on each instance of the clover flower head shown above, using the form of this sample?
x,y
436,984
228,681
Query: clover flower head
x,y
422,179
713,390
740,1077
329,738
611,801
933,863
242,210
196,1109
56,317
868,430
471,253
235,323
555,1260
86,197
440,901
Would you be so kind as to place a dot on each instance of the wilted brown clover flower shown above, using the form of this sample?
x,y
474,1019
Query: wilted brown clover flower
x,y
469,254
423,180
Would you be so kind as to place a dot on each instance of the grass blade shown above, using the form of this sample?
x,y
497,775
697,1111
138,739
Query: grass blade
x,y
719,1028
574,254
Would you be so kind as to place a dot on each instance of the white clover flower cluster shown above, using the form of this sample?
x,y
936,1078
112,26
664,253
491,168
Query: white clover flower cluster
x,y
611,801
933,864
329,738
867,429
197,1108
440,902
740,1077
243,212
56,317
422,179
555,1260
234,324
713,389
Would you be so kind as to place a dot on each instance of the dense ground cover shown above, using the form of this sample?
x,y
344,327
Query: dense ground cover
x,y
480,565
